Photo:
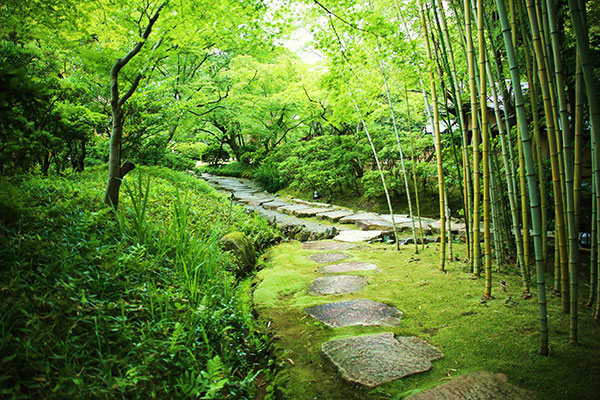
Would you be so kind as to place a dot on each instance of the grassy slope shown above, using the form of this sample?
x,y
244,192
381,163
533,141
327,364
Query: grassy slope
x,y
446,309
94,308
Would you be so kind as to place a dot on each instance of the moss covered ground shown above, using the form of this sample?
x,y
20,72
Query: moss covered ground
x,y
444,308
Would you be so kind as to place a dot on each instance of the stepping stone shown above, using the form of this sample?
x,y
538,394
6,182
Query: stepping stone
x,y
372,360
480,385
340,284
339,246
309,212
328,257
457,227
356,312
347,267
351,219
353,235
312,203
373,225
335,215
274,205
290,209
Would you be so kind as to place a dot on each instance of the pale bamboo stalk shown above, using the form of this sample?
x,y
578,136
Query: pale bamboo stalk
x,y
486,150
476,249
438,145
389,98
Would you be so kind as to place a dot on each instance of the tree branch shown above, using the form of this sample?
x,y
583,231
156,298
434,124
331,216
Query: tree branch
x,y
131,90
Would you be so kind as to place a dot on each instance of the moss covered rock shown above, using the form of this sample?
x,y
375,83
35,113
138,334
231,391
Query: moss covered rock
x,y
243,249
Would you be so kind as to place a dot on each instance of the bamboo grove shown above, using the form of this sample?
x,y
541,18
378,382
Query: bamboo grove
x,y
516,81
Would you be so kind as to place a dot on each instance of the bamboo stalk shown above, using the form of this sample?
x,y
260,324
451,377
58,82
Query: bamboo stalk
x,y
486,150
533,194
389,98
438,145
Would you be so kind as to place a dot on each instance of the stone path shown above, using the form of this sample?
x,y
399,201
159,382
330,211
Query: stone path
x,y
373,359
290,215
369,360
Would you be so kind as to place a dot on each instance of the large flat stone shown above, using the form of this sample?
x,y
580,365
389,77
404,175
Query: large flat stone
x,y
372,360
289,209
274,205
362,312
480,385
353,235
347,267
328,257
328,245
312,203
340,284
351,219
373,225
456,227
309,212
334,215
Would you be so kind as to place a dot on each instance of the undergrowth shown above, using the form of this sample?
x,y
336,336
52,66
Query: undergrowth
x,y
140,304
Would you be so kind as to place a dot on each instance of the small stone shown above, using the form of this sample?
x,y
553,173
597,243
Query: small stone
x,y
480,385
347,267
328,257
356,312
353,235
340,284
320,245
372,360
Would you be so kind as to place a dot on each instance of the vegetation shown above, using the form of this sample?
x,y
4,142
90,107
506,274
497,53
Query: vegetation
x,y
483,110
139,306
446,309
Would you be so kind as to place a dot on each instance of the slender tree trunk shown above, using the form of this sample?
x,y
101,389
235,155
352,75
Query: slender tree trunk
x,y
116,172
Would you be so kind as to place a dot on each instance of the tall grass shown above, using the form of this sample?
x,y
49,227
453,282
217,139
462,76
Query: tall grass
x,y
137,306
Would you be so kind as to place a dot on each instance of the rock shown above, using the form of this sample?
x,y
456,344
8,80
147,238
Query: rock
x,y
290,209
328,257
340,284
353,235
457,227
322,245
347,267
334,215
242,247
362,312
480,385
274,205
373,225
309,212
372,360
351,219
312,203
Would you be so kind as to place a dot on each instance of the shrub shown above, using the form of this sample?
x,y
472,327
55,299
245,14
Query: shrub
x,y
267,175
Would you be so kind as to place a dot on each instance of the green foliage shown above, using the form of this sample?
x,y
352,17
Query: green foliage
x,y
137,307
267,175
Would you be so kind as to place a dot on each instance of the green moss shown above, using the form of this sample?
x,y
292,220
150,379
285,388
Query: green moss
x,y
243,249
444,308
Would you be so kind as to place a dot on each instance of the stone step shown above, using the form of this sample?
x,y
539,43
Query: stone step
x,y
347,267
352,235
480,385
336,285
334,215
363,312
372,360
